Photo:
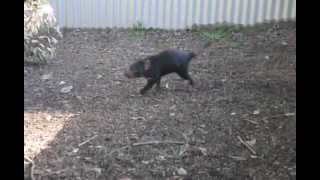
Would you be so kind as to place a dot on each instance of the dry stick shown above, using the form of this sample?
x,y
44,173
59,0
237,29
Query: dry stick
x,y
31,168
86,141
28,159
158,142
139,117
253,122
238,158
115,150
246,145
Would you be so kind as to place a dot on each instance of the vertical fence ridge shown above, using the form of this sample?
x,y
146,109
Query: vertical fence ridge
x,y
169,14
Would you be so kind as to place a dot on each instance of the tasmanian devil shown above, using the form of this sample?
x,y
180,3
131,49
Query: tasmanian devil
x,y
154,67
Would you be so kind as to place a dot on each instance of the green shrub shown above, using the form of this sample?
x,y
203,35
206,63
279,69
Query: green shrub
x,y
215,34
41,31
138,30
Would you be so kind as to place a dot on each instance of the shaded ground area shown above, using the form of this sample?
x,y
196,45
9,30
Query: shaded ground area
x,y
84,120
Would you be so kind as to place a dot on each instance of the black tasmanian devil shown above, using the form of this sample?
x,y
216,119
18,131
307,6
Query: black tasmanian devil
x,y
154,67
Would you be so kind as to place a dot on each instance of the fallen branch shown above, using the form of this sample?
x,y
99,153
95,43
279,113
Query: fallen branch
x,y
139,117
88,140
246,145
158,142
28,159
115,150
182,134
238,158
31,167
253,122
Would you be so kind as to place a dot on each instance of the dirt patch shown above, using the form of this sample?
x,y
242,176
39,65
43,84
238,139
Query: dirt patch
x,y
89,129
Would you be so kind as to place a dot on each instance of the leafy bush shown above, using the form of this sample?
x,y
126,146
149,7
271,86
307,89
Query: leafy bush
x,y
41,31
214,34
138,30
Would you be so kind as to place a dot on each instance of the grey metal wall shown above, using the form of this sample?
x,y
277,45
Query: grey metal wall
x,y
169,14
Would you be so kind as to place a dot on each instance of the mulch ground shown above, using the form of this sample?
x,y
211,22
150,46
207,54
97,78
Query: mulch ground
x,y
85,120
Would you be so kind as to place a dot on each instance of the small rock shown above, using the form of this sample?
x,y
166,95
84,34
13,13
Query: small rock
x,y
253,156
132,169
48,118
202,125
265,120
289,114
86,67
99,76
182,172
79,97
223,80
203,151
62,83
75,150
233,113
46,76
284,43
98,170
267,57
66,89
145,162
161,158
172,114
167,85
256,112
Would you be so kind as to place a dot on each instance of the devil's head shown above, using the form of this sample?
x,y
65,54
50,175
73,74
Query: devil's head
x,y
135,70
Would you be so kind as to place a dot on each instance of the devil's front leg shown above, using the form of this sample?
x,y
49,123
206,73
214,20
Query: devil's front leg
x,y
158,85
149,85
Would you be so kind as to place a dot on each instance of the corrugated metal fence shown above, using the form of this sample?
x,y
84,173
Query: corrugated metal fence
x,y
169,14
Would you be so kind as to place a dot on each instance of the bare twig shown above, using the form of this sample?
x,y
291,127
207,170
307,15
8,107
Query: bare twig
x,y
31,167
253,122
28,159
139,117
115,150
88,140
186,146
158,142
246,145
182,134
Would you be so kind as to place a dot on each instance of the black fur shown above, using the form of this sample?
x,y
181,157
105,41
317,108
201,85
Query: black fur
x,y
156,66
